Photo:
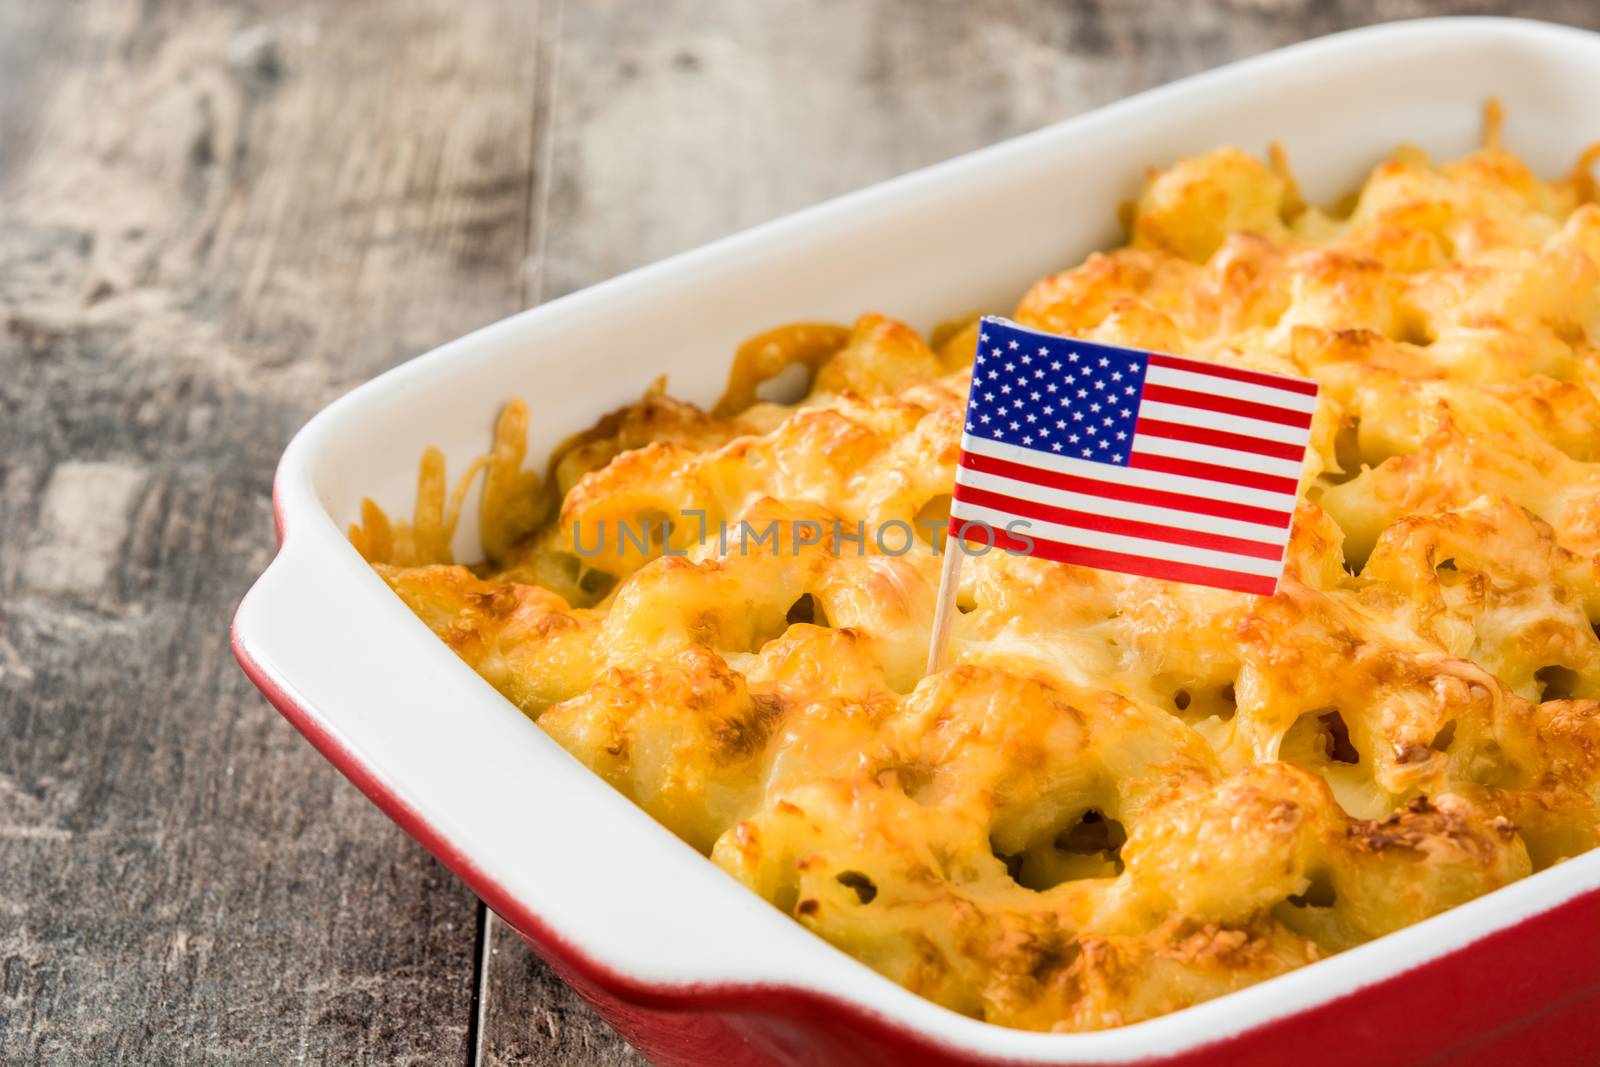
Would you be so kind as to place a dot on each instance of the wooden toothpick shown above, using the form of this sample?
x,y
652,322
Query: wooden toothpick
x,y
944,612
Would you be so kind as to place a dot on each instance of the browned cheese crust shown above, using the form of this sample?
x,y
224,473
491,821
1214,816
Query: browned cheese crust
x,y
1126,796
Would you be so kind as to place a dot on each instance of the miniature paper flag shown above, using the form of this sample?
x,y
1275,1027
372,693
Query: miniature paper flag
x,y
1131,461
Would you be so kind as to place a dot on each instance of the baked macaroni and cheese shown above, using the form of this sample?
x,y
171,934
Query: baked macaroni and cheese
x,y
1124,796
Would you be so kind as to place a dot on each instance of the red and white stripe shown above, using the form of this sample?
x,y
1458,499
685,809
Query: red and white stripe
x,y
1207,496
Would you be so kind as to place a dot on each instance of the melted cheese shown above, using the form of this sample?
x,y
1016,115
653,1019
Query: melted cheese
x,y
1125,796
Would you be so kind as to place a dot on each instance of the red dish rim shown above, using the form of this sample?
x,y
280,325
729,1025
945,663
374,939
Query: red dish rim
x,y
781,1000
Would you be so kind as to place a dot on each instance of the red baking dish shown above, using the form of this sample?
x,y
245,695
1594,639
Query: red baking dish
x,y
677,956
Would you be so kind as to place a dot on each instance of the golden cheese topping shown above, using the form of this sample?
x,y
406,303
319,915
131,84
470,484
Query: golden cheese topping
x,y
1125,796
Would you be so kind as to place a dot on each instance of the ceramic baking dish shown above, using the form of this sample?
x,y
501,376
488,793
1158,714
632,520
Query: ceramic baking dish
x,y
688,965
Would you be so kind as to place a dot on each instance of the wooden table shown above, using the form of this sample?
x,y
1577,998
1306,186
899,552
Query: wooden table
x,y
214,218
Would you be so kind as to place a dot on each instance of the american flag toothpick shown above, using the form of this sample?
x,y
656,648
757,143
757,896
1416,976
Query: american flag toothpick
x,y
1128,461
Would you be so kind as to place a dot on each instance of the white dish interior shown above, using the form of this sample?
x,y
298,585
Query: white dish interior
x,y
963,236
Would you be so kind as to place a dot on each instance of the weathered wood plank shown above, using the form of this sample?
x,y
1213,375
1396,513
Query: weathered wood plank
x,y
213,218
529,1017
685,120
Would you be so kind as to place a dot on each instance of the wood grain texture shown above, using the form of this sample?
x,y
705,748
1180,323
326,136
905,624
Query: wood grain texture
x,y
214,217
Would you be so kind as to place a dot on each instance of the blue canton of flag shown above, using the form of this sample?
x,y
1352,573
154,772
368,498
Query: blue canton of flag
x,y
1055,394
